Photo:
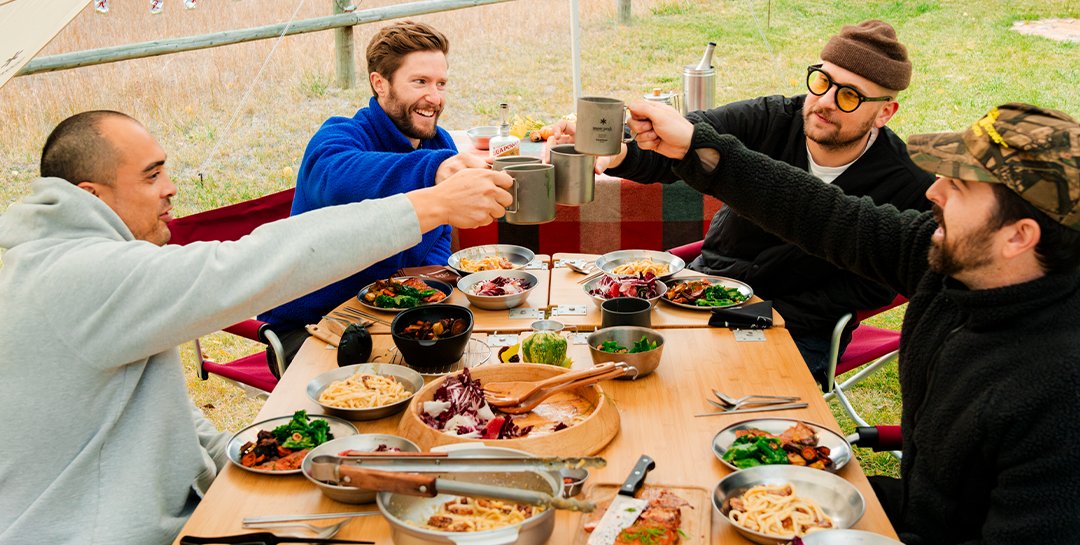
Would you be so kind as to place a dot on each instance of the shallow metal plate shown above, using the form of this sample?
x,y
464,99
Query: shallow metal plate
x,y
520,256
743,288
338,427
839,449
409,379
436,284
609,261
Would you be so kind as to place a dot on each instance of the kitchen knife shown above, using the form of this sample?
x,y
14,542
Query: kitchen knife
x,y
625,508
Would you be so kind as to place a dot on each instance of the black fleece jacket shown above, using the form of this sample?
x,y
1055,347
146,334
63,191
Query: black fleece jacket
x,y
808,292
990,379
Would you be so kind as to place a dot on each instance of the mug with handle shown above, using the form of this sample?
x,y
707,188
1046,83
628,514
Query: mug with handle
x,y
533,192
600,126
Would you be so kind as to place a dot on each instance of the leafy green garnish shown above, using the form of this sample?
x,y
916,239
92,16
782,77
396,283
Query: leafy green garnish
x,y
397,301
644,345
612,346
717,295
748,451
646,536
302,432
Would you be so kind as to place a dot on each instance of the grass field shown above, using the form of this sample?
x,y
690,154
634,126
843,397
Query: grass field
x,y
224,147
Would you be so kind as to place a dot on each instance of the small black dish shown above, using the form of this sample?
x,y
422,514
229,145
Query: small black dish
x,y
431,355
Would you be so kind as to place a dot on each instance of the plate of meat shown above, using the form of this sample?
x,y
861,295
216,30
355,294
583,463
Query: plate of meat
x,y
398,294
780,441
277,446
707,292
675,514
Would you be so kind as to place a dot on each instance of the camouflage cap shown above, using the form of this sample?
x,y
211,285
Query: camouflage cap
x,y
1034,151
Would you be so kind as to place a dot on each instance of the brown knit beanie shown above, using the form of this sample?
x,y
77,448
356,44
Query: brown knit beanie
x,y
870,50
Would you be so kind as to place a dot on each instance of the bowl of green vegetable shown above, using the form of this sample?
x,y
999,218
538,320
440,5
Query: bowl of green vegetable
x,y
640,347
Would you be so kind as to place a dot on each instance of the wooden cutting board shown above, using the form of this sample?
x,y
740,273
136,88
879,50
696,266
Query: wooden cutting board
x,y
696,521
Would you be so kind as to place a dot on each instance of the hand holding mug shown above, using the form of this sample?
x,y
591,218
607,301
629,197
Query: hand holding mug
x,y
563,133
459,162
468,199
660,128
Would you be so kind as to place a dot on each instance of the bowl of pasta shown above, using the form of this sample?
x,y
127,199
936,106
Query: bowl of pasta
x,y
490,257
450,520
663,265
367,391
353,445
772,503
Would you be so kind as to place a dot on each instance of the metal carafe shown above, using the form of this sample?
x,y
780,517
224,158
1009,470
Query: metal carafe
x,y
671,99
699,83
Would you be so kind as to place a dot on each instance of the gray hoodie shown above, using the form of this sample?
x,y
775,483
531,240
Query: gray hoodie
x,y
102,443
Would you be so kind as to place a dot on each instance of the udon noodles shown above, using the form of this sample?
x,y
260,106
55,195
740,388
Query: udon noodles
x,y
777,511
642,266
363,391
478,515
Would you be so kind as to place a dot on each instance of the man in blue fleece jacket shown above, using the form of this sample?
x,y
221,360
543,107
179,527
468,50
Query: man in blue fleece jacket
x,y
392,146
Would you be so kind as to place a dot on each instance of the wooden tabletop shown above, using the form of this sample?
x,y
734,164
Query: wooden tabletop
x,y
657,419
487,321
565,290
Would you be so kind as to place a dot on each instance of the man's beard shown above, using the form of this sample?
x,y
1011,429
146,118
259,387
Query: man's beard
x,y
400,114
838,139
969,253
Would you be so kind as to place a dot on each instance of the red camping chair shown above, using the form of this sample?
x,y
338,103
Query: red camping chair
x,y
231,223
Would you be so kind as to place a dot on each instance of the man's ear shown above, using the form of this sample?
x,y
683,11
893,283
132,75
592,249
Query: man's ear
x,y
379,83
89,187
1023,236
886,113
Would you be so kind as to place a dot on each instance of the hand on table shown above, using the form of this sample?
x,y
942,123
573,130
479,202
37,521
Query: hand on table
x,y
565,134
458,163
470,198
660,128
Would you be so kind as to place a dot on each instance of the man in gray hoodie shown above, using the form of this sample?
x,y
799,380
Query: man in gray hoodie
x,y
104,445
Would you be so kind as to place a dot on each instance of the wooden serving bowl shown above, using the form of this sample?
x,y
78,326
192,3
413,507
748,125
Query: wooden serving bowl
x,y
582,439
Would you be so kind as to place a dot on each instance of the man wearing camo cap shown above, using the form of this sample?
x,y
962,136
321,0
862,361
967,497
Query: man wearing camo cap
x,y
990,349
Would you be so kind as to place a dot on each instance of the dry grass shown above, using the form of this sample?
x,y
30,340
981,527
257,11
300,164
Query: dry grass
x,y
517,52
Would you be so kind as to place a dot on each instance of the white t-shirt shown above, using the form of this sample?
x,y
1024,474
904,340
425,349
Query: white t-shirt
x,y
828,174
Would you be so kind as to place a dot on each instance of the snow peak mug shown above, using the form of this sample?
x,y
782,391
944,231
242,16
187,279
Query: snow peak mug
x,y
534,194
600,123
502,162
575,177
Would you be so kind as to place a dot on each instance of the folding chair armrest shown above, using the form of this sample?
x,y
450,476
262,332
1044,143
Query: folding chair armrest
x,y
276,351
834,351
248,329
688,252
877,438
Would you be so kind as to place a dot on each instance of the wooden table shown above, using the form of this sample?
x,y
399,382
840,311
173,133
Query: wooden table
x,y
487,321
657,419
565,290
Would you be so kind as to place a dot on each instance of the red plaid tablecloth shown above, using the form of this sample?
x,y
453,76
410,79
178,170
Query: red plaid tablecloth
x,y
623,215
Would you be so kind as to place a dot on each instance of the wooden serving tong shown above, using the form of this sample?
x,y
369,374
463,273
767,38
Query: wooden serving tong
x,y
522,397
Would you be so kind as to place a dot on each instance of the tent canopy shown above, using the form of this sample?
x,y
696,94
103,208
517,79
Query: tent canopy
x,y
28,25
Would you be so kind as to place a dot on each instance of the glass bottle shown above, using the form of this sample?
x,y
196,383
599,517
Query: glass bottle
x,y
504,145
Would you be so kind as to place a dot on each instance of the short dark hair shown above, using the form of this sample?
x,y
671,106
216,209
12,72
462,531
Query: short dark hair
x,y
1058,249
76,150
389,46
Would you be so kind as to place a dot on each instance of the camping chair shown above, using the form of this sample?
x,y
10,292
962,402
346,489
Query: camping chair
x,y
231,223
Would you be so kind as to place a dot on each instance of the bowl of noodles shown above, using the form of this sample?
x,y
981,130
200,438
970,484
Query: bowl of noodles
x,y
663,265
490,257
447,519
767,504
367,391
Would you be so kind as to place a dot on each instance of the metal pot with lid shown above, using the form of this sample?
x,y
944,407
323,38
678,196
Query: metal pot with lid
x,y
670,98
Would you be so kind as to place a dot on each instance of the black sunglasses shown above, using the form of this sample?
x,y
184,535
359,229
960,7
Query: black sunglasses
x,y
848,98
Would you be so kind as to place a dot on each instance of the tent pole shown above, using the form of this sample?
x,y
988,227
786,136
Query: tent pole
x,y
575,47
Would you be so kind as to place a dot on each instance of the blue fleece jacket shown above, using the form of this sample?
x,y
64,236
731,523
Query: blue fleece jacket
x,y
351,160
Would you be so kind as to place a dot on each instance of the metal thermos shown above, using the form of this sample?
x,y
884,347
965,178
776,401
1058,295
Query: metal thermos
x,y
699,83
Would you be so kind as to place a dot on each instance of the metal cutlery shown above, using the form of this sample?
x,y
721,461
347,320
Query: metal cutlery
x,y
326,467
356,313
317,531
761,409
730,401
310,516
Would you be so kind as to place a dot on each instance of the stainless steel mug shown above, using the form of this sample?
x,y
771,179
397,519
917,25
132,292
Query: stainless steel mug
x,y
534,194
502,162
600,123
575,176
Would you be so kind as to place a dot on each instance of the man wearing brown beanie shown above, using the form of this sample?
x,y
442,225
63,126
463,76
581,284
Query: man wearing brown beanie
x,y
837,132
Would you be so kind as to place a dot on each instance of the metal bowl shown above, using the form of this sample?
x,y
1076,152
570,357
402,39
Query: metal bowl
x,y
743,288
434,284
497,302
338,427
609,261
839,449
627,335
573,481
404,513
519,256
481,136
411,380
839,499
847,537
362,442
661,289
